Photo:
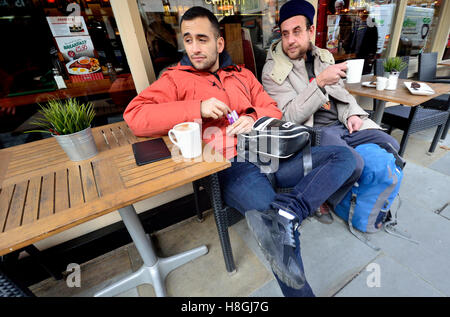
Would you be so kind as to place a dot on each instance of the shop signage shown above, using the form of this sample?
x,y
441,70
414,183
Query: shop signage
x,y
67,26
79,57
225,2
75,45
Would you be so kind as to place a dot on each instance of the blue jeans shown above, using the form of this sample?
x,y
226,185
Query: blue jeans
x,y
338,134
245,188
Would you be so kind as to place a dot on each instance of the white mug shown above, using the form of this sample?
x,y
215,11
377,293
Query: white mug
x,y
187,136
354,70
381,83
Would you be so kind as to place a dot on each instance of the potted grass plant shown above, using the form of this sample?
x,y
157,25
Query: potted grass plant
x,y
69,121
392,68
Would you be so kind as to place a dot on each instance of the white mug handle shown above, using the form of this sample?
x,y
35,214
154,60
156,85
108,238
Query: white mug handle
x,y
171,138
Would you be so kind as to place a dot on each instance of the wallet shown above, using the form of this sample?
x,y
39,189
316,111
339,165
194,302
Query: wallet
x,y
150,151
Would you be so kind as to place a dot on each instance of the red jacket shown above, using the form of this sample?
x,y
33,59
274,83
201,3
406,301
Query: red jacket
x,y
176,98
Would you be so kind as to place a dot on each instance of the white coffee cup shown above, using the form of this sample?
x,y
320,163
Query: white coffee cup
x,y
187,136
381,83
354,70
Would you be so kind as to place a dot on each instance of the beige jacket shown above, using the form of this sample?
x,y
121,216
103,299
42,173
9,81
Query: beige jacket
x,y
286,81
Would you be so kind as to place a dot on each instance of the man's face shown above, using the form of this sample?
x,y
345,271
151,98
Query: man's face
x,y
296,37
201,44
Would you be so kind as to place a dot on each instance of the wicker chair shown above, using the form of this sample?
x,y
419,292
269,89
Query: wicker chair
x,y
427,72
413,119
10,289
226,216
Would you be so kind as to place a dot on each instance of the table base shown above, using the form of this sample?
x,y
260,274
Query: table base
x,y
155,269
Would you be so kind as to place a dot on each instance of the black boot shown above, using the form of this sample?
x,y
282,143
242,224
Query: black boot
x,y
275,235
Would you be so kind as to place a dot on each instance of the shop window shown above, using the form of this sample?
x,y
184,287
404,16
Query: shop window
x,y
249,27
355,29
59,49
419,26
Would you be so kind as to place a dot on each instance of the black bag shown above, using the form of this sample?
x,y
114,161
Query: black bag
x,y
273,139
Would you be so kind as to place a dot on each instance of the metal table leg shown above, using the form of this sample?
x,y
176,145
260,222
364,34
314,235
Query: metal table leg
x,y
155,269
379,110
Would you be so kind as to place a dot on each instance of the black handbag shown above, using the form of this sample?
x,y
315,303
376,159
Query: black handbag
x,y
271,140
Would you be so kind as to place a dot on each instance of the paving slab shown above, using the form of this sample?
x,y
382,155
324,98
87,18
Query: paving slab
x,y
442,165
446,212
431,257
429,134
331,255
386,277
427,188
270,289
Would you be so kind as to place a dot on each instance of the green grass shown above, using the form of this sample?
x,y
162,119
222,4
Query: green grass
x,y
62,117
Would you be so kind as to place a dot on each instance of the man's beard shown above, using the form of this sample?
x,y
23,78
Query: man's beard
x,y
300,54
206,65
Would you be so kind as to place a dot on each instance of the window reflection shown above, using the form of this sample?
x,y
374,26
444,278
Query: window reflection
x,y
56,50
355,29
419,25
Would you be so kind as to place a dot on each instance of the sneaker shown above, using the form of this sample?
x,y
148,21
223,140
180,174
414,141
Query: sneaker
x,y
323,214
275,235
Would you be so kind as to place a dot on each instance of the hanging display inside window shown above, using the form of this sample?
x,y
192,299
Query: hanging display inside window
x,y
75,44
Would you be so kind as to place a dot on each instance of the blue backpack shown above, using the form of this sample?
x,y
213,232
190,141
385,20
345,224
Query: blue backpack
x,y
366,205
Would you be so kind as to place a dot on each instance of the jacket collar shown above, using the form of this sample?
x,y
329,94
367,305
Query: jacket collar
x,y
283,64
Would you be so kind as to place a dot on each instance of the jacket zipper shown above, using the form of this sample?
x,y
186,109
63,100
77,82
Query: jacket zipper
x,y
241,83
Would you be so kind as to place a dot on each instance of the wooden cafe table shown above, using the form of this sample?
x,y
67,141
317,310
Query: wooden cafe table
x,y
43,193
401,95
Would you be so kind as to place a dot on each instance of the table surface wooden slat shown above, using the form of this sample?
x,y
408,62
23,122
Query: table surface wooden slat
x,y
43,193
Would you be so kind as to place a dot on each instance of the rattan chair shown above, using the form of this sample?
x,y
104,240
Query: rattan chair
x,y
413,119
226,216
427,72
8,288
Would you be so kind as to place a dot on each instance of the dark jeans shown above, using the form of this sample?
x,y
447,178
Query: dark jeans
x,y
244,188
338,134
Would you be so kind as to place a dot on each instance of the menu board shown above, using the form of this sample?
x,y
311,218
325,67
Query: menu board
x,y
75,44
67,26
78,53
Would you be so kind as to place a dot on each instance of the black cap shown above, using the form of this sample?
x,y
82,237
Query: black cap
x,y
297,7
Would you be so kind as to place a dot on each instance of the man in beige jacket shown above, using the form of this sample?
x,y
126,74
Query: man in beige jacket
x,y
308,88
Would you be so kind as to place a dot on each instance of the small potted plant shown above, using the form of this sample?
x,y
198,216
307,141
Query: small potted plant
x,y
393,66
70,123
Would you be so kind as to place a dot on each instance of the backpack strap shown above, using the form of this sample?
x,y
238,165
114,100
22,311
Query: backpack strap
x,y
389,226
307,158
359,235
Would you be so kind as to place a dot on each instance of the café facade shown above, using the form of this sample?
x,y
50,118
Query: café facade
x,y
107,51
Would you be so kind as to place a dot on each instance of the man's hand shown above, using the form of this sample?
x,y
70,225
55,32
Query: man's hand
x,y
332,74
242,125
213,108
354,123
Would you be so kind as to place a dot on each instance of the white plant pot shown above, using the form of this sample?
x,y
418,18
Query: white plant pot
x,y
79,145
392,81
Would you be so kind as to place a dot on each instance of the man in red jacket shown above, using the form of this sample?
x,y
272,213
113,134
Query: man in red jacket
x,y
205,86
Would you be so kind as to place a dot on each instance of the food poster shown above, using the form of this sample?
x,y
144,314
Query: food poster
x,y
75,44
333,33
78,53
